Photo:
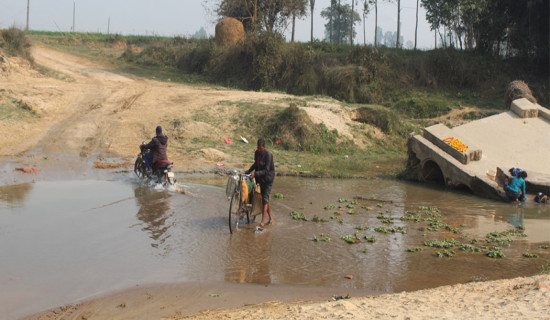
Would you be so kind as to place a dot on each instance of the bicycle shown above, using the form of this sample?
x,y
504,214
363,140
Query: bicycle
x,y
240,206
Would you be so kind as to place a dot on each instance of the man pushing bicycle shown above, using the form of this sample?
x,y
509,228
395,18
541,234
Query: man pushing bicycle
x,y
263,169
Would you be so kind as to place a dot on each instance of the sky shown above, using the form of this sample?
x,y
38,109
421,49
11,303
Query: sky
x,y
185,17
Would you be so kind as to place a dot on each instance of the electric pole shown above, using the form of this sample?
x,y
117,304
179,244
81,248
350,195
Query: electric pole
x,y
74,10
28,9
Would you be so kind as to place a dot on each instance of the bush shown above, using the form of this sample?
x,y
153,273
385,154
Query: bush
x,y
298,133
16,43
419,106
196,61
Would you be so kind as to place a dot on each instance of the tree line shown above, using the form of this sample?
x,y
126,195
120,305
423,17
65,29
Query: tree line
x,y
508,28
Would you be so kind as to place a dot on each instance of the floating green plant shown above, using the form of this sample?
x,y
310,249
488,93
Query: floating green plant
x,y
298,216
351,211
323,237
349,239
342,200
278,195
544,246
380,205
530,255
329,207
391,230
447,243
350,206
415,249
361,228
495,252
317,219
371,239
409,216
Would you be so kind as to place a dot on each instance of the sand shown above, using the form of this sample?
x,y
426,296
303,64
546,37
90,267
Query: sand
x,y
520,298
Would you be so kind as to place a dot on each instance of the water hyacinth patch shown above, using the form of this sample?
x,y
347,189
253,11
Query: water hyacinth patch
x,y
317,219
495,252
370,239
298,216
530,255
349,239
415,249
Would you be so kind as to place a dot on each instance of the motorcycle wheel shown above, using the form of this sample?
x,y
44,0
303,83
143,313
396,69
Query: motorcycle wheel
x,y
139,169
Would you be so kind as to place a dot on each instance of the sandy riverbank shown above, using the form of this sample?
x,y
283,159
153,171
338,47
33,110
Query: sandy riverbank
x,y
519,298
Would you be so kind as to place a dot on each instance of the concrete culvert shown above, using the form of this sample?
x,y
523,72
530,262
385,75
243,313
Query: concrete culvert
x,y
518,89
432,173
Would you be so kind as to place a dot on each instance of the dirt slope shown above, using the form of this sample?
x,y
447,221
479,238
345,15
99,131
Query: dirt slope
x,y
93,112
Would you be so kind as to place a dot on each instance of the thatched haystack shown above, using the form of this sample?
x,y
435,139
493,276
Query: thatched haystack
x,y
518,89
229,31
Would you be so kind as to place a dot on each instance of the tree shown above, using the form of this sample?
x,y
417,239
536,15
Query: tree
x,y
366,10
375,23
267,15
200,34
340,17
398,23
416,25
312,9
296,8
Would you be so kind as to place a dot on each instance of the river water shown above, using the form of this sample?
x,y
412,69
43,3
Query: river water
x,y
63,241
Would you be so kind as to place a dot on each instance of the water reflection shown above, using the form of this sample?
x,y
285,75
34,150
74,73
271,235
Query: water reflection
x,y
156,213
14,196
248,257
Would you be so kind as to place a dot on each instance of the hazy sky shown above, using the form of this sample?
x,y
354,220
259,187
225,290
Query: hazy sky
x,y
185,17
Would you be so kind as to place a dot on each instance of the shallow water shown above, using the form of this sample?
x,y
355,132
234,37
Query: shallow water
x,y
64,241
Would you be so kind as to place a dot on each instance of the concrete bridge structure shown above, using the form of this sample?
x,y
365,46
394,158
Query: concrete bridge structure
x,y
477,156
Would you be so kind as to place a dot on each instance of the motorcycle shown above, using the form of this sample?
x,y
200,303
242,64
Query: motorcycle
x,y
160,173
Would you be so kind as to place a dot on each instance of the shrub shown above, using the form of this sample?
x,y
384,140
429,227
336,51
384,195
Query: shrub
x,y
419,106
16,43
196,60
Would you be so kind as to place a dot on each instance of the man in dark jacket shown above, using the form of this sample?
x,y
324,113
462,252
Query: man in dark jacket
x,y
263,170
157,148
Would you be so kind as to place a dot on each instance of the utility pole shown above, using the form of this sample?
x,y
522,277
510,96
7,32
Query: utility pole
x,y
74,10
28,10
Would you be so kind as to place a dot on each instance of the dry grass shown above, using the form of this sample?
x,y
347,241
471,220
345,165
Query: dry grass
x,y
229,31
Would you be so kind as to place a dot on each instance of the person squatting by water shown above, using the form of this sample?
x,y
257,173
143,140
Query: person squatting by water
x,y
515,190
157,148
263,169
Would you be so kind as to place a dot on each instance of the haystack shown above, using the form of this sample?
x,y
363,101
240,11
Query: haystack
x,y
518,89
229,31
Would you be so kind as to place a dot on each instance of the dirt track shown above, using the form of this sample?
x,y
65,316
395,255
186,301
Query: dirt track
x,y
97,113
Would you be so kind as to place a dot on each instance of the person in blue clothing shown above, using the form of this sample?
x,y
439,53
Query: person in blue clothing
x,y
516,189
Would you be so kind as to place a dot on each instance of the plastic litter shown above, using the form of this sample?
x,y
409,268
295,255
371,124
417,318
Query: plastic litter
x,y
244,139
227,141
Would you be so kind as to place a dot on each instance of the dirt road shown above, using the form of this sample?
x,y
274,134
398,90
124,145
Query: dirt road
x,y
93,112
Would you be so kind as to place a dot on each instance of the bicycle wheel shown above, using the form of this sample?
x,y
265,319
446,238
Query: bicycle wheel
x,y
234,212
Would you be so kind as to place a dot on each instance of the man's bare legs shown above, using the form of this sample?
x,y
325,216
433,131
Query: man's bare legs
x,y
267,209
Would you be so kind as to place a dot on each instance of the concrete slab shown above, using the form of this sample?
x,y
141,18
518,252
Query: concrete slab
x,y
439,135
524,108
507,141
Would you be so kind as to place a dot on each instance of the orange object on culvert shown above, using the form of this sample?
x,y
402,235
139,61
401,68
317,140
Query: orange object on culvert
x,y
28,170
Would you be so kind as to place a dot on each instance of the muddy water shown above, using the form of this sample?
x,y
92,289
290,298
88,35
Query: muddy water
x,y
64,241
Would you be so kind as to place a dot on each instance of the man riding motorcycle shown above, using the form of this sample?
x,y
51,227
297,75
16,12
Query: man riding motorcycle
x,y
157,149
